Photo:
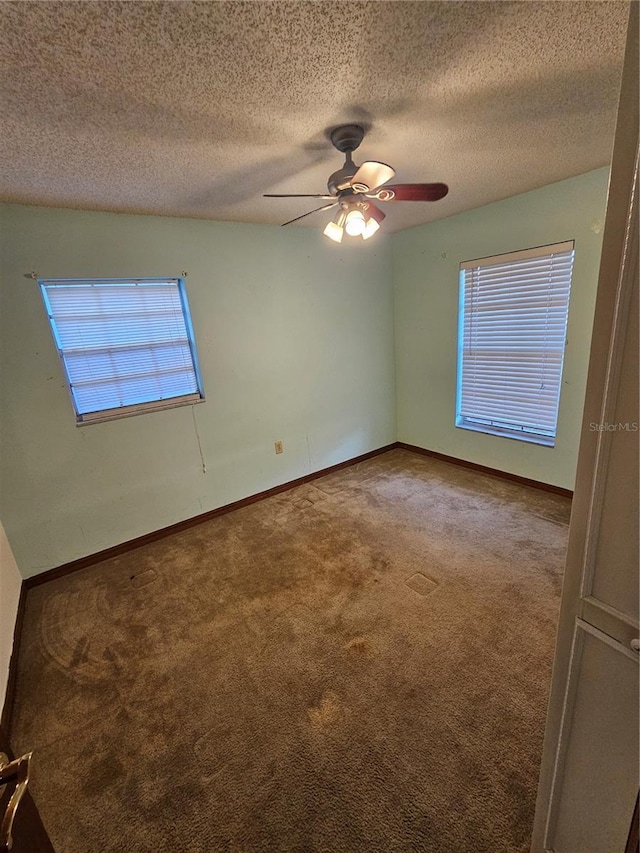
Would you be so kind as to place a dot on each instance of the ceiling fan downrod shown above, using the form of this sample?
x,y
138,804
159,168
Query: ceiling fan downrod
x,y
346,139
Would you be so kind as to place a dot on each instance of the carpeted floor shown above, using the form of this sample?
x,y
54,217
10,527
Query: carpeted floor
x,y
358,665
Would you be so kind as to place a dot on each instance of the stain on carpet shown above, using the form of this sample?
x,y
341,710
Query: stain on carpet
x,y
326,713
361,647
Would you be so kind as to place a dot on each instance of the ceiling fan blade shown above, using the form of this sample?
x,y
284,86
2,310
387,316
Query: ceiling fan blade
x,y
297,195
413,192
374,211
370,176
317,210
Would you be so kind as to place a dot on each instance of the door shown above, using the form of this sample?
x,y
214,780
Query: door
x,y
29,835
589,776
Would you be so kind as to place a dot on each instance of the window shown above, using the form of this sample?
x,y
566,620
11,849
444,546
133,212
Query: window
x,y
126,345
512,336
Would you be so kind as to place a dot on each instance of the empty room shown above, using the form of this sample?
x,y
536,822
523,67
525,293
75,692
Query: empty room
x,y
319,427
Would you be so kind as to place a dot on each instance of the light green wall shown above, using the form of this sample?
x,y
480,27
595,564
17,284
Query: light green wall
x,y
295,340
425,268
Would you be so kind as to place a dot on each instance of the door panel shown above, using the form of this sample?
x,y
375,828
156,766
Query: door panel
x,y
600,753
617,545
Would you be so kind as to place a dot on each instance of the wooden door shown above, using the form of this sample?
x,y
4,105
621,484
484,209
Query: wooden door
x,y
589,776
29,834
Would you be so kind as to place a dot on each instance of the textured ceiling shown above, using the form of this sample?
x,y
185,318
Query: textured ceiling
x,y
196,109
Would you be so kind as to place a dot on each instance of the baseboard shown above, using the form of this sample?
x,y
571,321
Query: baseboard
x,y
154,535
7,708
139,541
484,469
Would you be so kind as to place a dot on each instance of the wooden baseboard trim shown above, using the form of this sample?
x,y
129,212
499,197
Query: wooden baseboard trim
x,y
139,541
7,708
484,469
154,535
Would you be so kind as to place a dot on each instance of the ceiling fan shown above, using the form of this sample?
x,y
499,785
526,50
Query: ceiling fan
x,y
353,190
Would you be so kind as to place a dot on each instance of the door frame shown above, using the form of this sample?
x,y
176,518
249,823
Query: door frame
x,y
618,266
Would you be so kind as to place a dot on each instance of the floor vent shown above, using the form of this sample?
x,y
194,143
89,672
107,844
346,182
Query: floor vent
x,y
421,583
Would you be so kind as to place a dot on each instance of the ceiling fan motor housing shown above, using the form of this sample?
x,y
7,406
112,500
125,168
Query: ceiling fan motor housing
x,y
346,139
340,181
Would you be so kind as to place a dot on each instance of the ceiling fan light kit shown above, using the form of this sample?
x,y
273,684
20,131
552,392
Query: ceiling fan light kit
x,y
358,219
354,224
352,187
373,222
335,229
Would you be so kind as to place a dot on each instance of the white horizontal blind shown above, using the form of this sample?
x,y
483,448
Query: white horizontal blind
x,y
123,344
513,328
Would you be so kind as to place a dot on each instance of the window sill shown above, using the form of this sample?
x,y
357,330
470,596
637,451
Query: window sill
x,y
140,409
541,440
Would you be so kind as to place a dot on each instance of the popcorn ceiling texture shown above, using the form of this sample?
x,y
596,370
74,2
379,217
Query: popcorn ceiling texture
x,y
196,109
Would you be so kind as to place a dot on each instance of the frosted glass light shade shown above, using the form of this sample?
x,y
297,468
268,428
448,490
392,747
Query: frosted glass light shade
x,y
370,229
334,232
355,223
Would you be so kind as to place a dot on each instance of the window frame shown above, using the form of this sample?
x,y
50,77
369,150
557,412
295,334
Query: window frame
x,y
540,437
111,414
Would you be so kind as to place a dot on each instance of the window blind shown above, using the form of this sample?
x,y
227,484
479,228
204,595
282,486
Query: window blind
x,y
513,326
126,345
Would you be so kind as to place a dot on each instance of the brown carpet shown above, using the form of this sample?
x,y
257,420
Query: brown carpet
x,y
359,664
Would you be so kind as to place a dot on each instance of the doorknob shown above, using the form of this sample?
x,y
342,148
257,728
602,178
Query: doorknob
x,y
17,773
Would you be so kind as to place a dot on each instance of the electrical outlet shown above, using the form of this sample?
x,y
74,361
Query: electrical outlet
x,y
279,447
